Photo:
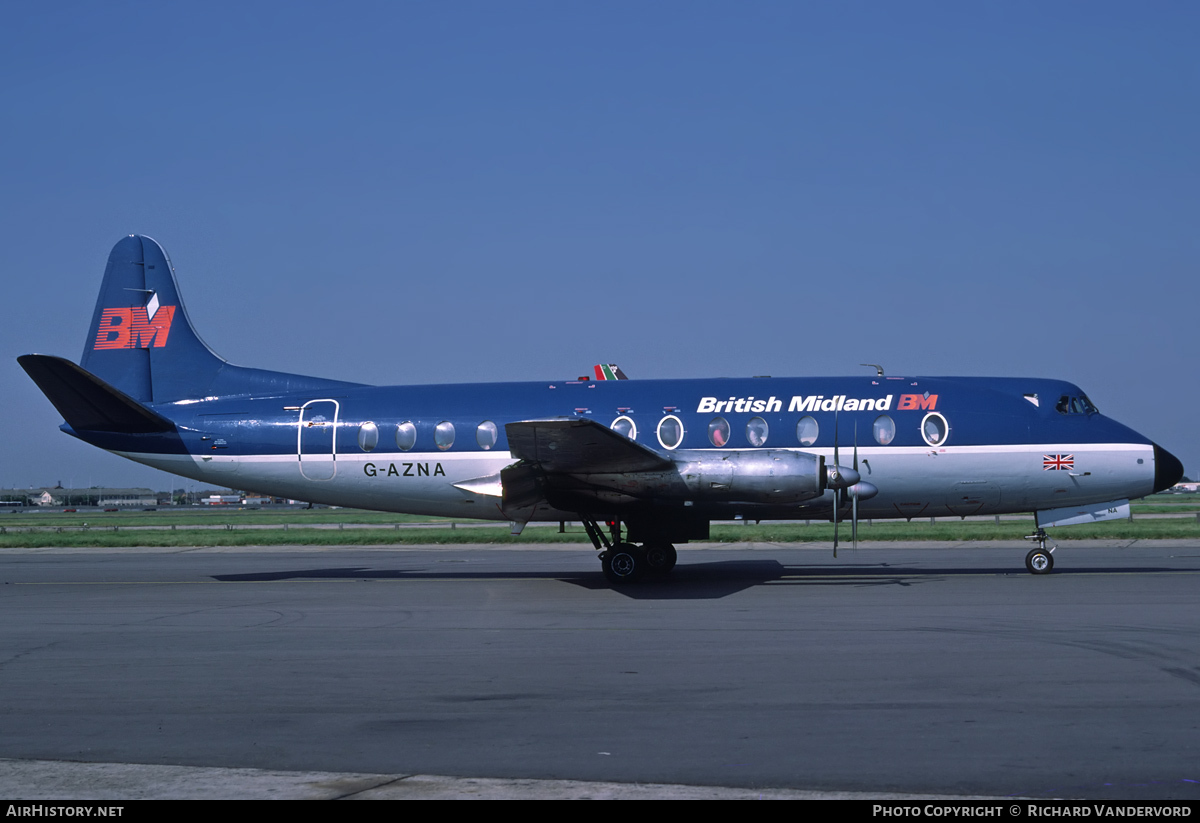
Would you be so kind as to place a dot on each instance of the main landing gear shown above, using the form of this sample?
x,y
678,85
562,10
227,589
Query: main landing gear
x,y
625,562
1041,559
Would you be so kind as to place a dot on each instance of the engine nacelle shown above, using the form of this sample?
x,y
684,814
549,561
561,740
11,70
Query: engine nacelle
x,y
774,476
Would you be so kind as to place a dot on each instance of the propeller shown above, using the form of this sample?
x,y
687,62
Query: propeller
x,y
839,478
847,482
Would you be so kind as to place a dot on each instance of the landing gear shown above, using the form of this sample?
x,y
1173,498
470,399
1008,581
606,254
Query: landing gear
x,y
1041,559
660,557
625,562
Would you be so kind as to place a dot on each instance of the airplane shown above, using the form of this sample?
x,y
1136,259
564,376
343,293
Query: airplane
x,y
643,464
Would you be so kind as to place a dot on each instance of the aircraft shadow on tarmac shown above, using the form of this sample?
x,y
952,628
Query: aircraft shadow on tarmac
x,y
690,581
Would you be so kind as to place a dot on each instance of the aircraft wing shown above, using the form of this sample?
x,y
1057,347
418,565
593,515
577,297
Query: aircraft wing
x,y
575,445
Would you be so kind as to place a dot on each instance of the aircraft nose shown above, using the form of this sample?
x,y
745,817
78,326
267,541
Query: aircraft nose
x,y
1167,469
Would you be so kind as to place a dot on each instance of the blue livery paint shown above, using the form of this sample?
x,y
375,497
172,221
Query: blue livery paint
x,y
185,367
149,389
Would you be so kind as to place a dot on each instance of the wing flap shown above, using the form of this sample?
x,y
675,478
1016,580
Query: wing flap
x,y
572,445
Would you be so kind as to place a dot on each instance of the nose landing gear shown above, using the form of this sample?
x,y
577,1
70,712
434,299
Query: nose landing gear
x,y
1041,559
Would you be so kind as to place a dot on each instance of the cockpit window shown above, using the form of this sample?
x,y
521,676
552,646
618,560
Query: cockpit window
x,y
1074,405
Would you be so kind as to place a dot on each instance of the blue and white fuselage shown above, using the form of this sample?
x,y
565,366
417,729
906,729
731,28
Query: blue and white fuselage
x,y
992,461
661,456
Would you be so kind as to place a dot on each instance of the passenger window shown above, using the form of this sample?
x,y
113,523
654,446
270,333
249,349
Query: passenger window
x,y
626,426
670,432
756,431
486,434
406,436
368,437
718,432
935,429
807,431
884,430
443,435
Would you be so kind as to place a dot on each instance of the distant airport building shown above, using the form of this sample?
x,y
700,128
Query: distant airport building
x,y
221,500
102,497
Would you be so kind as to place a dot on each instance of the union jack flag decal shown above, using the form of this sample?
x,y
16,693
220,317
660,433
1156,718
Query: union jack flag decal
x,y
1057,462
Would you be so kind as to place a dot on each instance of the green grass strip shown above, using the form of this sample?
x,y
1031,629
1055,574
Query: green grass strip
x,y
956,531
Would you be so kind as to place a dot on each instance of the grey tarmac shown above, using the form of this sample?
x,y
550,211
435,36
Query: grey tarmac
x,y
893,671
26,780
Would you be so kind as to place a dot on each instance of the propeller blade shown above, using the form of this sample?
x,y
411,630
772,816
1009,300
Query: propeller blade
x,y
836,472
836,491
854,522
856,445
854,498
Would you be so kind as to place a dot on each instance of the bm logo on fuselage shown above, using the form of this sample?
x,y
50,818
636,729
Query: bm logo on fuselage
x,y
134,328
917,401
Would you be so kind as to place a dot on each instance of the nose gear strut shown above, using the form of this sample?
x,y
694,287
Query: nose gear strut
x,y
1041,559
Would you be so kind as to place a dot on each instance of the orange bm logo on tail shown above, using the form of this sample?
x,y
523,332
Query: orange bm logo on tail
x,y
134,328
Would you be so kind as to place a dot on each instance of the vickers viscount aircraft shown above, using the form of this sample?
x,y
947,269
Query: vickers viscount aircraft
x,y
643,464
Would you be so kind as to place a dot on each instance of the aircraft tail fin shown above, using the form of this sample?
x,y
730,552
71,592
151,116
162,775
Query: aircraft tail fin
x,y
608,371
142,344
141,341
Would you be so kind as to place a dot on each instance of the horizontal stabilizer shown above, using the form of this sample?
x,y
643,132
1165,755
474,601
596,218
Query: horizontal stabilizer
x,y
578,446
86,402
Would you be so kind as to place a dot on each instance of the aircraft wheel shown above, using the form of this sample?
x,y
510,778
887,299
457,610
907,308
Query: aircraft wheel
x,y
660,557
1039,561
623,563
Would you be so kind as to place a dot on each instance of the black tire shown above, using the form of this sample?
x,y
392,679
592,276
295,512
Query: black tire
x,y
1039,561
660,557
623,563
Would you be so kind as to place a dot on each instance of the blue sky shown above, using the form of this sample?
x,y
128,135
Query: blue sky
x,y
451,192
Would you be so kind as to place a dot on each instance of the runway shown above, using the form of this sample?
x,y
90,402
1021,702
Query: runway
x,y
940,669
